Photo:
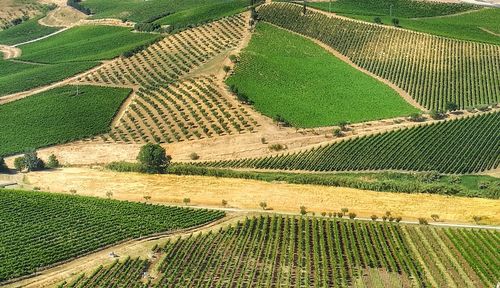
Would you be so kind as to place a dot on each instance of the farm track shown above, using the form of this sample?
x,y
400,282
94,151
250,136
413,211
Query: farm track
x,y
133,248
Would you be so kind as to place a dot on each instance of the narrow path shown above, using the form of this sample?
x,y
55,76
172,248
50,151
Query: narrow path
x,y
490,32
10,52
346,59
41,38
450,15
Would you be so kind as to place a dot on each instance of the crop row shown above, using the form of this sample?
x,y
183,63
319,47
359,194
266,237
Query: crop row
x,y
458,146
39,229
433,70
174,56
190,109
280,251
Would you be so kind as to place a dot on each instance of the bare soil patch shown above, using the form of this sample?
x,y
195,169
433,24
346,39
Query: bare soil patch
x,y
10,52
64,16
247,194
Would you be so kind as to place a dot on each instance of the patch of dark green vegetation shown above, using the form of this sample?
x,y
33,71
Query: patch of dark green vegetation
x,y
57,116
41,229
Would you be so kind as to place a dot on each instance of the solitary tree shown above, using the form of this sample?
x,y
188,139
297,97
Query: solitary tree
x,y
263,205
53,162
186,201
451,106
423,221
344,210
435,217
32,162
3,166
398,219
224,203
477,218
323,214
109,194
395,22
226,69
352,215
377,20
153,158
374,217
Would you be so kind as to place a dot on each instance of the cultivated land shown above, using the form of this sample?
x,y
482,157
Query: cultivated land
x,y
279,72
55,227
57,116
172,87
464,21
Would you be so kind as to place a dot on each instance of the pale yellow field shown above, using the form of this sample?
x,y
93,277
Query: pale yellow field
x,y
247,194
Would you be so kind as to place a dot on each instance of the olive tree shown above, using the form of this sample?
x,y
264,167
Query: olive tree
x,y
153,159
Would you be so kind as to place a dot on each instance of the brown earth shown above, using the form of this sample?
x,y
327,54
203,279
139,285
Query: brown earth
x,y
247,194
10,52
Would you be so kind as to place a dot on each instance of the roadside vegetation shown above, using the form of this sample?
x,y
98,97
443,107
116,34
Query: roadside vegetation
x,y
468,145
424,16
57,116
290,77
40,229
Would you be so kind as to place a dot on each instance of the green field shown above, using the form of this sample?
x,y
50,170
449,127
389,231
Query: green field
x,y
143,11
39,229
463,26
16,77
84,43
433,70
204,13
25,31
288,75
57,116
462,146
281,251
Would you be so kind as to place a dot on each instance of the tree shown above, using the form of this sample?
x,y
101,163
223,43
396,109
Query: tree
x,y
374,217
451,106
337,132
352,215
263,205
477,218
32,162
343,125
304,7
398,219
186,201
226,69
435,217
153,158
109,194
147,197
53,162
3,166
344,210
194,156
377,20
395,22
323,214
303,210
384,218
437,115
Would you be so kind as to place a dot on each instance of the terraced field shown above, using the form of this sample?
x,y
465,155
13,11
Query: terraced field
x,y
12,10
433,70
461,146
40,229
283,251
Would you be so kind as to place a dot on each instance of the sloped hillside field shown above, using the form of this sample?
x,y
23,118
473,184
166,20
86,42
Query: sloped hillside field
x,y
433,70
39,229
459,146
57,116
318,252
288,75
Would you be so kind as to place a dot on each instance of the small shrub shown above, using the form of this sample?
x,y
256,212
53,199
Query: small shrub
x,y
147,197
395,22
263,140
377,20
374,217
3,166
454,179
224,203
416,117
477,219
483,108
263,205
423,221
276,147
429,177
53,162
451,106
303,210
398,219
437,115
337,132
352,215
323,214
194,156
483,185
435,217
109,194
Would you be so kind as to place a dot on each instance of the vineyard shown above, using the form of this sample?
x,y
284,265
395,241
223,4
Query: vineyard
x,y
40,229
13,12
58,116
185,110
433,70
170,105
279,251
267,75
461,146
176,55
125,274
